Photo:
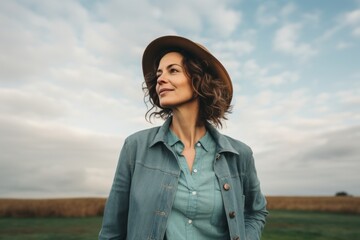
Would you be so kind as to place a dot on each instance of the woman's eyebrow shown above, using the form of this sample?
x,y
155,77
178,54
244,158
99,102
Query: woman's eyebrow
x,y
174,64
169,66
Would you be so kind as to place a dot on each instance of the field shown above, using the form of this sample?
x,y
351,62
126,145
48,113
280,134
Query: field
x,y
281,225
301,225
67,207
290,218
49,228
323,204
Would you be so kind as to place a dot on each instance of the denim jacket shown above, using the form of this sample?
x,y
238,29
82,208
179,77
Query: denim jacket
x,y
146,179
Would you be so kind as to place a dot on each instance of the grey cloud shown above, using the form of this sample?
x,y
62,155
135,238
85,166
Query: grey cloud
x,y
26,104
341,145
48,158
319,164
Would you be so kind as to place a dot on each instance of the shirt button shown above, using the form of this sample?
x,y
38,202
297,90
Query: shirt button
x,y
198,144
232,214
217,156
190,221
194,193
195,170
226,187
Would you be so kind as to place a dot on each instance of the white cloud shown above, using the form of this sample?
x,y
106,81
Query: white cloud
x,y
281,78
15,102
264,76
352,17
264,15
235,48
312,18
288,9
343,45
351,97
251,68
270,13
286,41
356,32
224,20
353,20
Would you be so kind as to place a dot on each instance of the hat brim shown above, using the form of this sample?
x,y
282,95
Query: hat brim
x,y
159,45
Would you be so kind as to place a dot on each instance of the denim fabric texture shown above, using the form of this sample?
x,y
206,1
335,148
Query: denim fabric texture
x,y
146,180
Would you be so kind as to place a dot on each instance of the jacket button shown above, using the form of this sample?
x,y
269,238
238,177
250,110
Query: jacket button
x,y
232,214
226,186
217,156
236,238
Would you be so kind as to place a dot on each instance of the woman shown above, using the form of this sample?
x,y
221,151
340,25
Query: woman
x,y
184,180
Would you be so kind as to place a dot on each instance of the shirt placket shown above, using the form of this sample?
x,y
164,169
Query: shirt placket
x,y
191,185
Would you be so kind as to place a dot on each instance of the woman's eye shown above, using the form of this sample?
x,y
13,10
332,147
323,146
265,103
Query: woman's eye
x,y
173,70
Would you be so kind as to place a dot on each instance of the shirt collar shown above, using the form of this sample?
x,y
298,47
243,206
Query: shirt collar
x,y
223,144
172,139
162,132
205,141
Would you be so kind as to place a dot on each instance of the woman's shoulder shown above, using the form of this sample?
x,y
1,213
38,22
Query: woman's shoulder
x,y
240,146
145,134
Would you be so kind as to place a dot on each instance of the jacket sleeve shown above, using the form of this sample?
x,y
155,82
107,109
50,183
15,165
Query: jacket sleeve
x,y
255,203
114,225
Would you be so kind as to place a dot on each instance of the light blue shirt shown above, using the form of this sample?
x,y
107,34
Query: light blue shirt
x,y
198,211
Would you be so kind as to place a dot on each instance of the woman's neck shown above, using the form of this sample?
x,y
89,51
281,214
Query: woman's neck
x,y
185,124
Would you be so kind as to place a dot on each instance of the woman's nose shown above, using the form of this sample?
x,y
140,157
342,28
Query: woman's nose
x,y
161,78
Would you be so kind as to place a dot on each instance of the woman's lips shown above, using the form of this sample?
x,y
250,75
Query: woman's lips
x,y
164,90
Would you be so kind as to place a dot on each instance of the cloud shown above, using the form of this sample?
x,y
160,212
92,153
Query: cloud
x,y
356,32
291,145
264,76
53,160
264,16
270,13
286,41
349,97
281,78
349,19
288,9
31,42
339,144
352,17
223,19
234,47
343,45
29,105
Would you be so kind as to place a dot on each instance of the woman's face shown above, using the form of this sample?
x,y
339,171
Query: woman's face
x,y
173,86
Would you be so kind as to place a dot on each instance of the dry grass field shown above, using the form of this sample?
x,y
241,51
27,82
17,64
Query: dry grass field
x,y
67,207
88,207
345,204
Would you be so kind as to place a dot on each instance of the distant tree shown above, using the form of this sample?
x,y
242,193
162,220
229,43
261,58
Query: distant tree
x,y
342,193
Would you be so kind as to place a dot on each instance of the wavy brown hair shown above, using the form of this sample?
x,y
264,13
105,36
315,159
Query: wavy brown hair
x,y
213,94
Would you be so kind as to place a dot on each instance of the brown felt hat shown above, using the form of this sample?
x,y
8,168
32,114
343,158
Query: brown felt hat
x,y
161,44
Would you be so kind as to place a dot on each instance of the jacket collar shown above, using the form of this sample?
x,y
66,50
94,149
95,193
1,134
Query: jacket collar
x,y
222,142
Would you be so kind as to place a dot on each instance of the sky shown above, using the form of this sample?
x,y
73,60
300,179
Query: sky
x,y
71,89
